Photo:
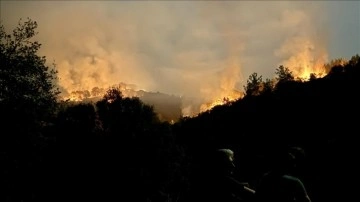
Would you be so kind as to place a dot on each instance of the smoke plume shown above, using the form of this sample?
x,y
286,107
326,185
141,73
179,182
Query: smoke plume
x,y
200,50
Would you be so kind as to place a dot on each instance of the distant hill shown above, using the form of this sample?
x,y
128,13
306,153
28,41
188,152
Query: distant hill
x,y
168,107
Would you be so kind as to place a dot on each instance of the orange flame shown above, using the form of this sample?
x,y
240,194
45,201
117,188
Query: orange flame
x,y
304,57
233,96
127,90
303,66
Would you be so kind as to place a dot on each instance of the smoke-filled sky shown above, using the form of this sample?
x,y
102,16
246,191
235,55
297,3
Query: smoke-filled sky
x,y
188,48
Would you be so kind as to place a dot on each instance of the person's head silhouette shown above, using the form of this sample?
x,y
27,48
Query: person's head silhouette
x,y
224,161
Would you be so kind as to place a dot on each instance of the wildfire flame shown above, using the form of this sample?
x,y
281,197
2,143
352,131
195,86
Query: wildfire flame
x,y
127,90
235,95
303,66
304,57
226,91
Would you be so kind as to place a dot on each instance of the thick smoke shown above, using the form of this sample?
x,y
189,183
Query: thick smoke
x,y
201,50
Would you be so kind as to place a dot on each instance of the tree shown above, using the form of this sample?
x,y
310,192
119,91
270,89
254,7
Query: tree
x,y
268,86
253,84
335,62
27,97
124,115
284,74
28,89
355,60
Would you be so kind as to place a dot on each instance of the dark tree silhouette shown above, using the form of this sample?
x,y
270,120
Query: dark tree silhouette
x,y
27,101
283,74
253,84
335,62
125,116
268,86
27,84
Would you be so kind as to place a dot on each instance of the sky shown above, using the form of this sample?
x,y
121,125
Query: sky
x,y
204,50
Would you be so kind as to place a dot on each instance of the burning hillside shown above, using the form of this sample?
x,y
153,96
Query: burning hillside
x,y
168,107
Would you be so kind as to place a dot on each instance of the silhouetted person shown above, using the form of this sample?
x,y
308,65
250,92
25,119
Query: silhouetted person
x,y
216,182
279,184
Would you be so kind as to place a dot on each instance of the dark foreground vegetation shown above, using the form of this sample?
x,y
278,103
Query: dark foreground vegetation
x,y
117,149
